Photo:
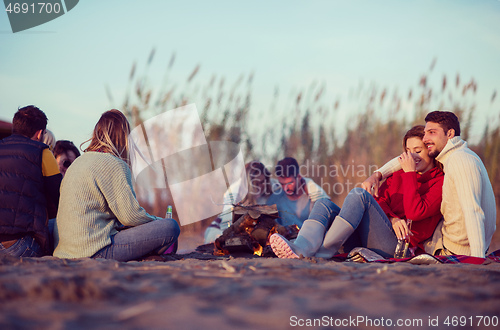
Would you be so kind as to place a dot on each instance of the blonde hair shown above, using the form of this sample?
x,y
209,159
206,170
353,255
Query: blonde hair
x,y
111,135
255,169
49,139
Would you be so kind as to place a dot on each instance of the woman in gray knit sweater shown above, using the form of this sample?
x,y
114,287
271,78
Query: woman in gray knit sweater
x,y
97,199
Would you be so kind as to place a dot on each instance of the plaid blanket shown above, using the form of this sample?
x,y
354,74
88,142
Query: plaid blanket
x,y
366,255
456,259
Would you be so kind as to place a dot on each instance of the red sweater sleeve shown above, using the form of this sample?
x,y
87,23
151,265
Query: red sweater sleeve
x,y
384,199
422,202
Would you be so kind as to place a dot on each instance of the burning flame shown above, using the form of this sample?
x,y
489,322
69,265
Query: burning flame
x,y
248,230
258,250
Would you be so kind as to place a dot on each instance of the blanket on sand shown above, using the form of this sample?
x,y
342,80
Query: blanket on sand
x,y
366,255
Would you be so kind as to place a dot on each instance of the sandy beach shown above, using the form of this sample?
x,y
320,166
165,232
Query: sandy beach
x,y
201,291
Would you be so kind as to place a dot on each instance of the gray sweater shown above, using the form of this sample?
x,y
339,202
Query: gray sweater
x,y
96,196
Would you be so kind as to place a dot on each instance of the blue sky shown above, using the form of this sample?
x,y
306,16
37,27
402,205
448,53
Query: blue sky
x,y
64,65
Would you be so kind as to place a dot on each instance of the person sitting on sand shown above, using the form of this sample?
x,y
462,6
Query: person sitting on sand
x,y
29,186
65,153
259,185
302,202
469,207
97,199
413,193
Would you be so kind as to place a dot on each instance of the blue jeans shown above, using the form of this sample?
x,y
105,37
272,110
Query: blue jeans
x,y
324,211
373,229
24,247
133,243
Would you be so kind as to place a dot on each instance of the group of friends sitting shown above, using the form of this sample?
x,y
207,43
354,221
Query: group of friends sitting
x,y
92,212
409,199
436,195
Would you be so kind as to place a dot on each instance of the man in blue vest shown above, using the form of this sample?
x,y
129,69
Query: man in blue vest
x,y
29,183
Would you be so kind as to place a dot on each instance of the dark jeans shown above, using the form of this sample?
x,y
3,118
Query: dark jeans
x,y
24,247
133,243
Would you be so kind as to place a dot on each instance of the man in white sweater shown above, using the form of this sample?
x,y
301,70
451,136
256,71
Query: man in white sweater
x,y
468,205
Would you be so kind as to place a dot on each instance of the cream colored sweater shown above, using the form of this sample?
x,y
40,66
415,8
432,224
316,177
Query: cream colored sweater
x,y
468,205
96,196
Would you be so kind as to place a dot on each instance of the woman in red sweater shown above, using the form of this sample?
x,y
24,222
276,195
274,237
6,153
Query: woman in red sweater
x,y
413,193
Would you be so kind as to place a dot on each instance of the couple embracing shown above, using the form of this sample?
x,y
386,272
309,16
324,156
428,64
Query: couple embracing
x,y
437,182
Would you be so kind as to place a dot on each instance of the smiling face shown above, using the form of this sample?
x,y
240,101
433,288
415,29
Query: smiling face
x,y
420,154
435,138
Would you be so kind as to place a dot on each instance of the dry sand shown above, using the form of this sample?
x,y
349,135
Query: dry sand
x,y
200,291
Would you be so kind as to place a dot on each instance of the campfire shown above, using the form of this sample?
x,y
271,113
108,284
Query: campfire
x,y
252,226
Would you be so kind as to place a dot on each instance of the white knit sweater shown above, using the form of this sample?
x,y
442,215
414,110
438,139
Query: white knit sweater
x,y
96,196
468,205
